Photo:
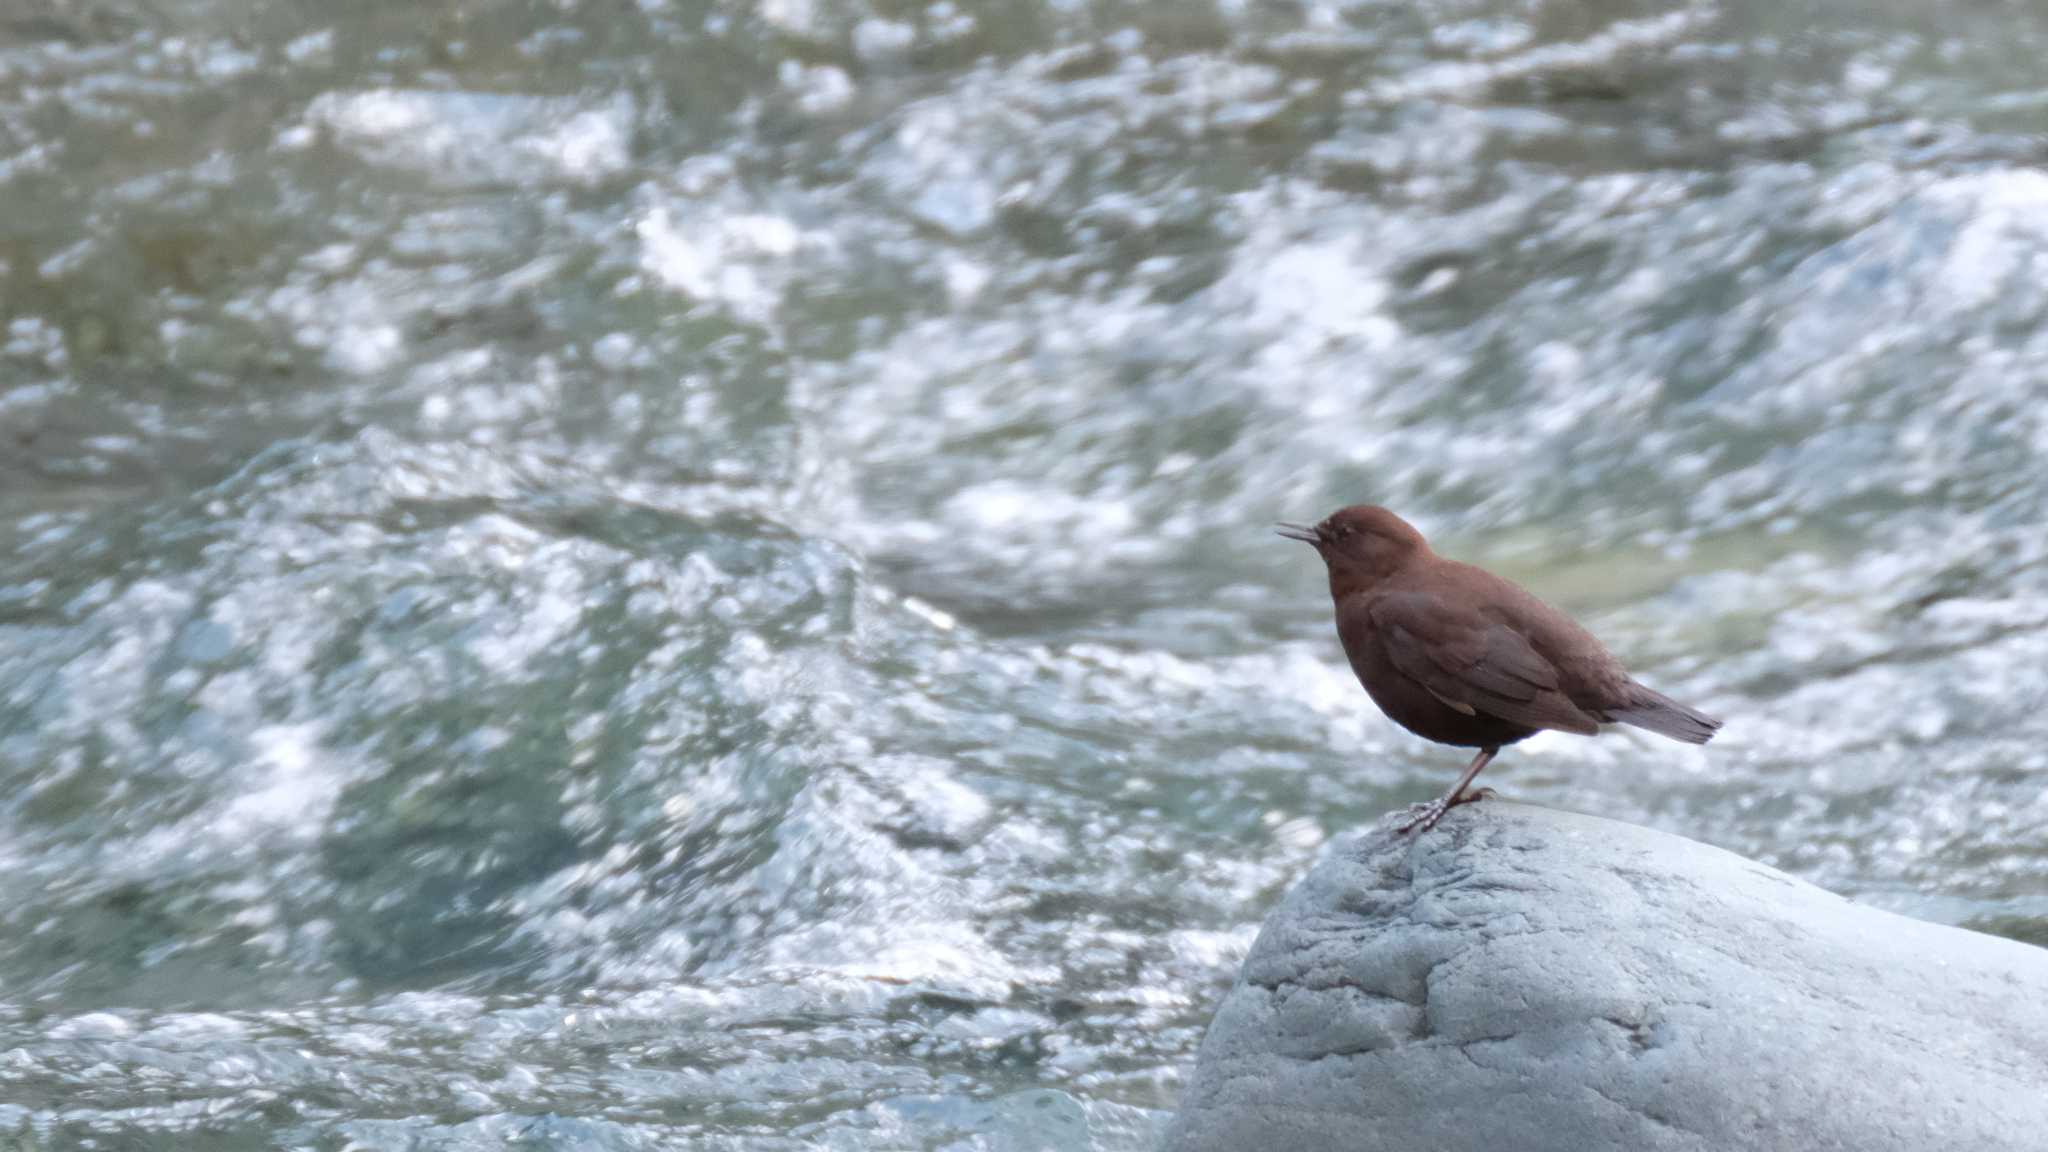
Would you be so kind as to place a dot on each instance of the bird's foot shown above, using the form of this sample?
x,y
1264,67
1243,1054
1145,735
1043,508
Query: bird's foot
x,y
1423,817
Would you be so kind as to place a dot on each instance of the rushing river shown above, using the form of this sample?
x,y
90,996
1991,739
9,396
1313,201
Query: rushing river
x,y
617,574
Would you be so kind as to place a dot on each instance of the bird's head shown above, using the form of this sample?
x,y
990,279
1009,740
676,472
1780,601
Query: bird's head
x,y
1361,545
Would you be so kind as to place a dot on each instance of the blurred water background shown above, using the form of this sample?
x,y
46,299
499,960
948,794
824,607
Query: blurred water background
x,y
678,574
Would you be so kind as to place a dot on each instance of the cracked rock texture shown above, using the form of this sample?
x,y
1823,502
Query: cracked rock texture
x,y
1523,980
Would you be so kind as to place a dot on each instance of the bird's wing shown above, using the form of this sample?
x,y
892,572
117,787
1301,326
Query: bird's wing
x,y
1472,663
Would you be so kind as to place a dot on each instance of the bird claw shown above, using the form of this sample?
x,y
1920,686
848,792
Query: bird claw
x,y
1423,817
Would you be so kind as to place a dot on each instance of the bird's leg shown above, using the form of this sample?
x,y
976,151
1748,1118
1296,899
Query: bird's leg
x,y
1425,816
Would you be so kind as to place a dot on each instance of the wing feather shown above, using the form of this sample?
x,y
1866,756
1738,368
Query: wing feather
x,y
1474,664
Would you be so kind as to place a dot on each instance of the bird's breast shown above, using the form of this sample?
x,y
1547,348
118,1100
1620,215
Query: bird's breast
x,y
1405,701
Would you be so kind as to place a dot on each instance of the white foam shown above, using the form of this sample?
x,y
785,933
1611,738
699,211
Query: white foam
x,y
942,170
875,39
311,48
473,137
1604,47
292,788
819,88
93,1026
588,146
737,261
2004,231
795,17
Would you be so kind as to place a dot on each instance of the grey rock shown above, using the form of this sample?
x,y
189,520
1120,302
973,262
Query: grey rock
x,y
1527,980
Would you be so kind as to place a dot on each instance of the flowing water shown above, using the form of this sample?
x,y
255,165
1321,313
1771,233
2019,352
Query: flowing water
x,y
610,574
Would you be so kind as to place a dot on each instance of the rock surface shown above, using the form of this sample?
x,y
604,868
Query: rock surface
x,y
1527,980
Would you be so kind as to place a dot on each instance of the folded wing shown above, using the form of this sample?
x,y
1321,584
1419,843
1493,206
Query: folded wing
x,y
1474,664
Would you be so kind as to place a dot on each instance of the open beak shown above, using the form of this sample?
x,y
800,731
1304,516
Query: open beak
x,y
1305,533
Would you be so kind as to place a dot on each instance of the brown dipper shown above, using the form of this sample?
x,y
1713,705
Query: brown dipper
x,y
1460,656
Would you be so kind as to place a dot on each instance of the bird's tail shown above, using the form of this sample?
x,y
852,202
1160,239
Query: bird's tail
x,y
1661,714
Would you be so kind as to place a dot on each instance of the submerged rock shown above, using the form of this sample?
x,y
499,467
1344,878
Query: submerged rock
x,y
1523,980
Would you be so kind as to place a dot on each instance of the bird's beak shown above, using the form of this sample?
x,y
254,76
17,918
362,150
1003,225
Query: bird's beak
x,y
1305,533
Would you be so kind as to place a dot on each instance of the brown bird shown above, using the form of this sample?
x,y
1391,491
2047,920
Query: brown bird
x,y
1460,656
